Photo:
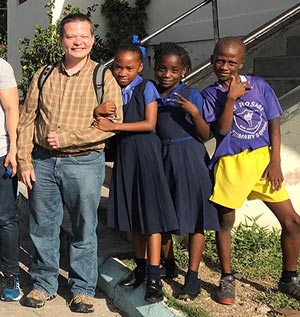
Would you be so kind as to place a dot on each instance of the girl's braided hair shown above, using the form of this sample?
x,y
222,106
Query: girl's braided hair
x,y
129,47
170,48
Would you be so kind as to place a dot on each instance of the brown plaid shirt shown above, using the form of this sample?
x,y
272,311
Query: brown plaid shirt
x,y
66,105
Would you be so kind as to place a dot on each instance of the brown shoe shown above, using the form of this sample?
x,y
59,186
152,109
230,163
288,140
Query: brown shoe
x,y
37,298
81,304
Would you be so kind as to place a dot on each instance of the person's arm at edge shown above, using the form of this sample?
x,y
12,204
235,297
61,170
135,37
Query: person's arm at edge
x,y
10,101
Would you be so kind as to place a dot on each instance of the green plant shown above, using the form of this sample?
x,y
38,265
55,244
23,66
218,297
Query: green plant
x,y
188,310
3,47
274,299
256,251
181,252
123,21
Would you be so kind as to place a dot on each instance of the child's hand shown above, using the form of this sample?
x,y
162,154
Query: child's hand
x,y
274,174
105,108
185,104
104,124
237,88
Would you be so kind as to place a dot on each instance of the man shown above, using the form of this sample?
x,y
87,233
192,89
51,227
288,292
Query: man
x,y
61,161
9,230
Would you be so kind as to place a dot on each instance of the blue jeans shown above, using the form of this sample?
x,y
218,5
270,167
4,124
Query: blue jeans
x,y
73,182
9,225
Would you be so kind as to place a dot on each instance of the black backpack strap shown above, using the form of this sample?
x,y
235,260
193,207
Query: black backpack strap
x,y
45,74
98,80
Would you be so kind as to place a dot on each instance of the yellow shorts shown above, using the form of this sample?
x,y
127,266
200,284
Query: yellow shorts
x,y
238,177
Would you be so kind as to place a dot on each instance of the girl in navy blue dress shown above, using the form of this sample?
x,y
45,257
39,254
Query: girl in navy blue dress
x,y
182,130
139,200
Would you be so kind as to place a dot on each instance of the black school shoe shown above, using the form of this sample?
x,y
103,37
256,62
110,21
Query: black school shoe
x,y
187,295
154,292
134,279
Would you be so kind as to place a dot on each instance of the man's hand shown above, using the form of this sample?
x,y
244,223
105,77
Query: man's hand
x,y
53,141
27,178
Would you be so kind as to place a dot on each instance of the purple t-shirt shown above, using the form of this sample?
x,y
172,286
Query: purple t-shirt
x,y
251,114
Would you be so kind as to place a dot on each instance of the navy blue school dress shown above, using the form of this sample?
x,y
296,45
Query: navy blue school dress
x,y
140,199
185,161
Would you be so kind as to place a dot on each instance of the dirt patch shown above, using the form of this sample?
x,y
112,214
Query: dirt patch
x,y
246,291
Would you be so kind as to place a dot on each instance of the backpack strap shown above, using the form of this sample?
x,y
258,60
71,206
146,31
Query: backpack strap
x,y
98,80
45,74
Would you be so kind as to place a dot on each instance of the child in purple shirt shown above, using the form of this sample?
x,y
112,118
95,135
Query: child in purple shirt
x,y
243,112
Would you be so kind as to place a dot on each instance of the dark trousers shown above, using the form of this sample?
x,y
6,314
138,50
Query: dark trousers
x,y
9,226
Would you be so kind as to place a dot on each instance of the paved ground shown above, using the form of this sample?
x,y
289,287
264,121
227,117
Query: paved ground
x,y
109,243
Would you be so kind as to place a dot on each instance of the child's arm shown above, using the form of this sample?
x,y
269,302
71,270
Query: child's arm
x,y
236,90
105,108
201,127
273,170
146,125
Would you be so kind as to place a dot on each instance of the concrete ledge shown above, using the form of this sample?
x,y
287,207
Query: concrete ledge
x,y
131,302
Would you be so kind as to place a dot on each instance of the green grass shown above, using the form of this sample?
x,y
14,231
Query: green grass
x,y
189,311
256,251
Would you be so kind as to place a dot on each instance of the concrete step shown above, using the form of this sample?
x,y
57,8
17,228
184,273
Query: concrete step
x,y
293,46
277,66
290,102
282,85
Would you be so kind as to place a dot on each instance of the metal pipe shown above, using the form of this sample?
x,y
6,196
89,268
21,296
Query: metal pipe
x,y
254,35
268,26
170,24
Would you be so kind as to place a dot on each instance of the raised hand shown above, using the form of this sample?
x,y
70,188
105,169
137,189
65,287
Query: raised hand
x,y
237,88
185,104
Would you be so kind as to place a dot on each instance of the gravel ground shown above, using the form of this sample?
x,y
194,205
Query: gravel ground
x,y
246,291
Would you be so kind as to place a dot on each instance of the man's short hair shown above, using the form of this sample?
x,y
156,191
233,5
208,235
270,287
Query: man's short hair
x,y
73,17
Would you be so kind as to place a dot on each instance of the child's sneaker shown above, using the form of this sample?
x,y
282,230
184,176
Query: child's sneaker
x,y
226,292
291,288
10,287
